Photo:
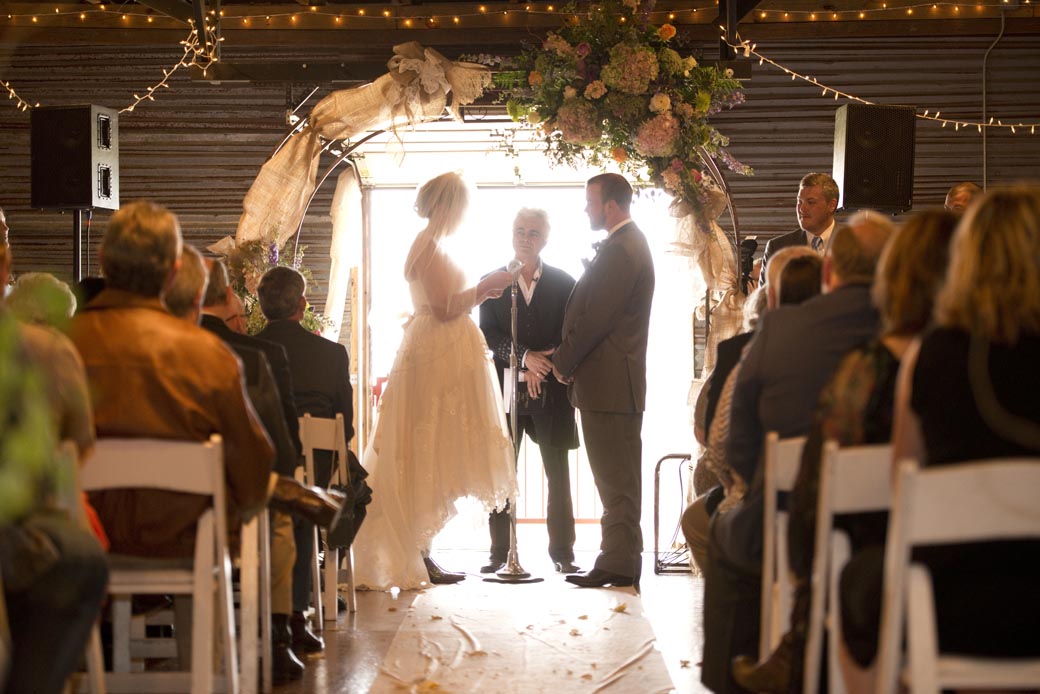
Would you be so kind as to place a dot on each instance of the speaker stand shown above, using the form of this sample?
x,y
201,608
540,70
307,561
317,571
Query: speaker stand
x,y
77,245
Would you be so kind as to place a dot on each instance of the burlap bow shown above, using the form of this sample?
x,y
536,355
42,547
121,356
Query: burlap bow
x,y
415,90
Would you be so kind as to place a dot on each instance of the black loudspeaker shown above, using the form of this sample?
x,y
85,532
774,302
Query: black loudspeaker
x,y
874,156
75,157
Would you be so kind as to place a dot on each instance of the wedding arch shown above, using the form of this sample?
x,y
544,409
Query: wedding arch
x,y
610,88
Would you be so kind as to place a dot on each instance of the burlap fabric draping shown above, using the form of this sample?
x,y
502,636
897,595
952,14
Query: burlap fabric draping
x,y
699,237
414,90
346,235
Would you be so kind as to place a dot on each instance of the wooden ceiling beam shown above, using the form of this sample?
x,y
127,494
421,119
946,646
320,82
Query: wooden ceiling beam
x,y
181,10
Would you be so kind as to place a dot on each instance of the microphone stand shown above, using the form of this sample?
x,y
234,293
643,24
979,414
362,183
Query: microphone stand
x,y
512,572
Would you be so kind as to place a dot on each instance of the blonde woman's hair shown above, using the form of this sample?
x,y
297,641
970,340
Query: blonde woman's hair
x,y
911,271
993,283
443,201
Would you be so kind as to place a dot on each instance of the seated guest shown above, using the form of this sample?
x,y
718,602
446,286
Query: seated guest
x,y
54,572
855,408
321,387
960,196
801,279
795,276
223,315
43,304
970,394
152,375
184,299
41,298
793,352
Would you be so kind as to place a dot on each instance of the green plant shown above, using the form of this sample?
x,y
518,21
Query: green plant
x,y
248,262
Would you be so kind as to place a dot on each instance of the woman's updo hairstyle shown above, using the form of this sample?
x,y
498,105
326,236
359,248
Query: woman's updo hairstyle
x,y
443,201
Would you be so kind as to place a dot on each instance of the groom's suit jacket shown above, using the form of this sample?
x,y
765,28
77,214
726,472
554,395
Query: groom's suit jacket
x,y
539,327
606,326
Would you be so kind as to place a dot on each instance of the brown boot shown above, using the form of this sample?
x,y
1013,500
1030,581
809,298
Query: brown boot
x,y
773,676
310,503
285,666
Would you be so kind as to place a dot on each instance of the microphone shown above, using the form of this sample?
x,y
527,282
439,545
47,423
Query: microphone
x,y
513,268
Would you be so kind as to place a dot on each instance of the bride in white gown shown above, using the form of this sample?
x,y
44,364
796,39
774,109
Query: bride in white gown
x,y
440,433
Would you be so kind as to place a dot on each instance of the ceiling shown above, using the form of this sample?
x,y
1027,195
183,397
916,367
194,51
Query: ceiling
x,y
359,25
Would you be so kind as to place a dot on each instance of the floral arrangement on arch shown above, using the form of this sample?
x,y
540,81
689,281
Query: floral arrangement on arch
x,y
247,263
610,86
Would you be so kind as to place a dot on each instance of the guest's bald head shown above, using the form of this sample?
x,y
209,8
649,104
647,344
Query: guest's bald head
x,y
856,248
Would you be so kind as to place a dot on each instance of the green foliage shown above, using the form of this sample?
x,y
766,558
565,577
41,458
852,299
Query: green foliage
x,y
29,464
248,262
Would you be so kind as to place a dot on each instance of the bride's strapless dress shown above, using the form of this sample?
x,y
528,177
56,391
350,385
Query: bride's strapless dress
x,y
440,435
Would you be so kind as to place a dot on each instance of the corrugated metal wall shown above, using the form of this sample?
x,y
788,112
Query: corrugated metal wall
x,y
197,148
786,128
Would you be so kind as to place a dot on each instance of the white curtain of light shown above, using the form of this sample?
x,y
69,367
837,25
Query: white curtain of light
x,y
346,240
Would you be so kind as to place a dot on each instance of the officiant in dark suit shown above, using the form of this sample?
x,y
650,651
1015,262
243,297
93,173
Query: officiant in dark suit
x,y
544,413
603,357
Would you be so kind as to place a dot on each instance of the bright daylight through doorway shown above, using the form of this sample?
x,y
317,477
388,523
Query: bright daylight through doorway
x,y
484,244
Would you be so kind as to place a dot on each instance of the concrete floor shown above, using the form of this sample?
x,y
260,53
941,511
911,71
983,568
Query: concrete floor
x,y
357,643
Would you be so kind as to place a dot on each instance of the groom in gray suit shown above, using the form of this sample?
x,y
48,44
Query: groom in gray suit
x,y
603,359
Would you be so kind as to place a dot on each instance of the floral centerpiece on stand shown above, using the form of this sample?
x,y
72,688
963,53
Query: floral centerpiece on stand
x,y
611,86
247,262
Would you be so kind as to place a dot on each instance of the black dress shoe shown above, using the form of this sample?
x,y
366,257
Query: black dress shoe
x,y
773,676
597,578
440,577
341,604
566,567
492,567
303,639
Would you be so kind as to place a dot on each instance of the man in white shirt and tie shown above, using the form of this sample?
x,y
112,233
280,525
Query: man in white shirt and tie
x,y
817,201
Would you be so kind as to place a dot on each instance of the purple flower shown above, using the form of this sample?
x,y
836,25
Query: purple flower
x,y
583,49
272,253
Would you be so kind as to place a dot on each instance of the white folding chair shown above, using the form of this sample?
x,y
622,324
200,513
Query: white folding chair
x,y
194,468
856,479
971,502
782,458
255,602
324,434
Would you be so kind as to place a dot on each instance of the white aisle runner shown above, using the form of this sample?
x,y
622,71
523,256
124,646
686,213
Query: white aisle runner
x,y
520,639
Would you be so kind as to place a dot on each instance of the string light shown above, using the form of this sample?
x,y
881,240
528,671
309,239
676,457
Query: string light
x,y
19,103
197,53
747,49
314,12
201,54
